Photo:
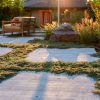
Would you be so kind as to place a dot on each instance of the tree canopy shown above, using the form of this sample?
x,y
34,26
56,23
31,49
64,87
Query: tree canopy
x,y
95,5
11,8
94,9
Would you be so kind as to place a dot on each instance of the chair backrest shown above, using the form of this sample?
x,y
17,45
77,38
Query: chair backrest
x,y
28,22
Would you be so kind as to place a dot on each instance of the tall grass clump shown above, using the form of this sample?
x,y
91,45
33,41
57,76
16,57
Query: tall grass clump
x,y
89,31
48,28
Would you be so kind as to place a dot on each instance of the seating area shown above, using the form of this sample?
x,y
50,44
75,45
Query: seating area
x,y
19,24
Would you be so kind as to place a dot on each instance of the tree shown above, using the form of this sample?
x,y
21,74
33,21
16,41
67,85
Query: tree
x,y
6,3
17,8
95,8
10,9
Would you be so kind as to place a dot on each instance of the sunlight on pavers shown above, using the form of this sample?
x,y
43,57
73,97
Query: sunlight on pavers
x,y
66,55
47,86
4,50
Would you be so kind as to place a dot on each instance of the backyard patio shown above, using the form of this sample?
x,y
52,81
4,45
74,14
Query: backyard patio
x,y
22,56
33,53
50,50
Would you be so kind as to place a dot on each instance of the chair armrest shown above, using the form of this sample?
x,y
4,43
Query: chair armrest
x,y
5,22
9,22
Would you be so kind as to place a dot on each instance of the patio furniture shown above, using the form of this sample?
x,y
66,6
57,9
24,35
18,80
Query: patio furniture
x,y
19,24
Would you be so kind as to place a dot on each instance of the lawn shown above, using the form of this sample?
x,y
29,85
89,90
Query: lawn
x,y
13,62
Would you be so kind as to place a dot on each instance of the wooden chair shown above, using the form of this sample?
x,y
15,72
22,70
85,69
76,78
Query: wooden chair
x,y
24,24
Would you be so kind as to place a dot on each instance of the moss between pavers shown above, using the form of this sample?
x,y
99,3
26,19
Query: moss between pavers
x,y
62,45
13,62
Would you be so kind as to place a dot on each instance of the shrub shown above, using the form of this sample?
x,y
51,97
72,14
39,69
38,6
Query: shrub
x,y
95,7
89,31
76,16
48,27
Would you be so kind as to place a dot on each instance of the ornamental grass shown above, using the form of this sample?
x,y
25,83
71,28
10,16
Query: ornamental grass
x,y
89,31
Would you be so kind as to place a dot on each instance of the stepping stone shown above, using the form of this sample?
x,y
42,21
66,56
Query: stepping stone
x,y
18,40
47,86
4,50
65,55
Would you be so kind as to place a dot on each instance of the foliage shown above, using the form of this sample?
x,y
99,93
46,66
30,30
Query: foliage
x,y
18,7
76,16
49,27
97,54
89,31
6,3
57,44
95,7
97,87
10,9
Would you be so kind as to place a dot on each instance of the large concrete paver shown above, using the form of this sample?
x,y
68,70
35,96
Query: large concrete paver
x,y
47,86
66,55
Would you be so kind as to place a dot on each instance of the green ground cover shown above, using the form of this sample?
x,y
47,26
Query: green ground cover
x,y
13,62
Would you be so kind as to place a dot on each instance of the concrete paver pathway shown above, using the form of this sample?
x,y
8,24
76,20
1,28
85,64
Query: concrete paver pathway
x,y
47,86
66,55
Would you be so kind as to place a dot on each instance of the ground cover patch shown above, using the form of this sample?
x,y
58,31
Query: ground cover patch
x,y
57,44
13,62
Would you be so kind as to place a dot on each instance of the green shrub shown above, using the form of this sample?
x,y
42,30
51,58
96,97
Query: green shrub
x,y
89,31
76,16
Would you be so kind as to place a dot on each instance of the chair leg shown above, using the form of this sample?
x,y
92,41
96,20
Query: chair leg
x,y
28,32
34,30
22,34
3,33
